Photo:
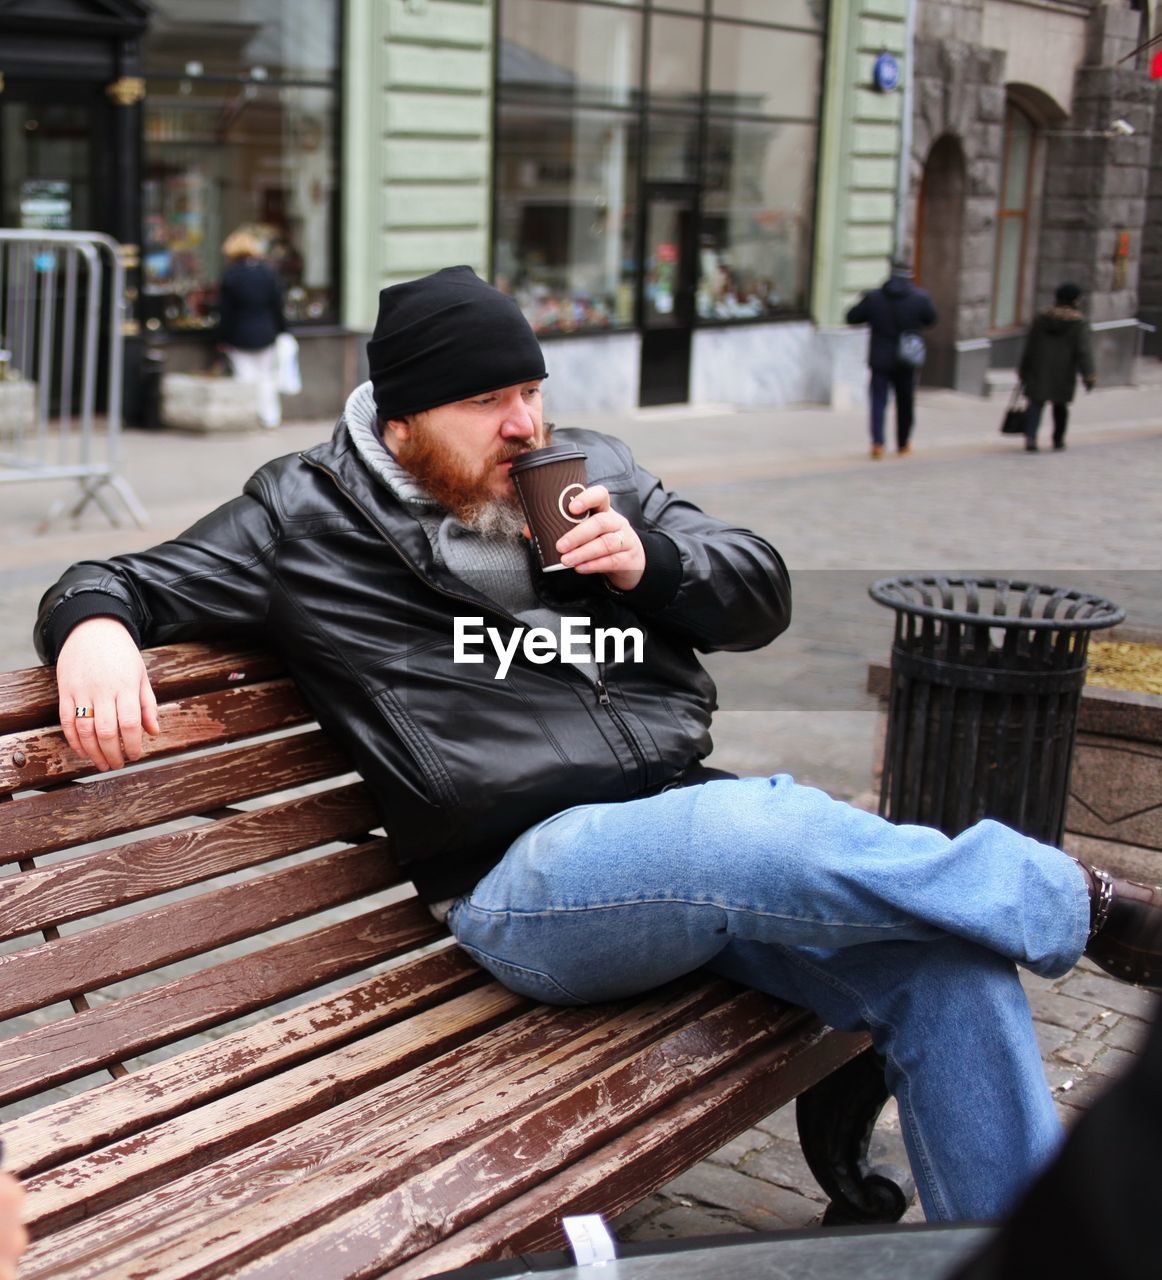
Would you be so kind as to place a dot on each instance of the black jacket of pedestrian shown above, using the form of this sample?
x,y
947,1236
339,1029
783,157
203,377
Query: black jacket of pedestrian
x,y
249,306
897,306
1057,349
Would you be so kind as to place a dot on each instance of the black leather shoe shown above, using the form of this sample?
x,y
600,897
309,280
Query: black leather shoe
x,y
1125,934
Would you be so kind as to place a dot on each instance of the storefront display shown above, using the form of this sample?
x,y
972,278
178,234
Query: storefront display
x,y
728,110
239,131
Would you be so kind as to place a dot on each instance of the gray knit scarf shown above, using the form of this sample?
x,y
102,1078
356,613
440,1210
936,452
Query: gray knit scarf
x,y
495,565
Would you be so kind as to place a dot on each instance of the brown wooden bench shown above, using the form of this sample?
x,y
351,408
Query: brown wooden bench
x,y
236,1044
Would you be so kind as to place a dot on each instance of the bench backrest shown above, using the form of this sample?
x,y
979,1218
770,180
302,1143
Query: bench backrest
x,y
237,865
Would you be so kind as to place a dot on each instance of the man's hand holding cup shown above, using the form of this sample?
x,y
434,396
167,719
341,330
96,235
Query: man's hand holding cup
x,y
573,524
605,542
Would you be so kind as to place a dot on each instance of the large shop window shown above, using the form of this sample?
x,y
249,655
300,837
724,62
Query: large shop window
x,y
240,131
565,219
595,98
566,162
1013,220
757,204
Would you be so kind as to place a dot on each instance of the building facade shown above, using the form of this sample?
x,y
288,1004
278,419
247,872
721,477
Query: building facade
x,y
685,196
1033,143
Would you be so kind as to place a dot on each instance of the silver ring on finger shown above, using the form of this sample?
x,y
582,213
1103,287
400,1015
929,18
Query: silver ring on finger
x,y
85,713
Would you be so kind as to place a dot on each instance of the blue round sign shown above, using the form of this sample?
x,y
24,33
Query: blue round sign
x,y
886,72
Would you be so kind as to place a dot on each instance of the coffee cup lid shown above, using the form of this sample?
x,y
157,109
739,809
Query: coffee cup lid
x,y
542,457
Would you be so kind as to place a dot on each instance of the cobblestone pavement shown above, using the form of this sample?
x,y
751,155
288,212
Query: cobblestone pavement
x,y
965,500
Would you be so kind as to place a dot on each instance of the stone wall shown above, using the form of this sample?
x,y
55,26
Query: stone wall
x,y
1089,202
1150,276
960,96
1097,179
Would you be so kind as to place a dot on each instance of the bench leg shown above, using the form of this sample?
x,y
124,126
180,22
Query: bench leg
x,y
835,1119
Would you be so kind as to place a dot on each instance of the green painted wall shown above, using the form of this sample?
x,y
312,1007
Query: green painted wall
x,y
859,156
417,154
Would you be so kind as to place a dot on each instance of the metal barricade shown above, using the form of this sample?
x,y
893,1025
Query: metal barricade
x,y
62,300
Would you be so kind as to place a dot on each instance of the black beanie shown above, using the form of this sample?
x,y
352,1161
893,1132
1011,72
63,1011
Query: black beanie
x,y
1067,293
446,337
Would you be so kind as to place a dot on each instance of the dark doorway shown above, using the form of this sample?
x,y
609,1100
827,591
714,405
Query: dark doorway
x,y
54,168
55,175
939,225
668,284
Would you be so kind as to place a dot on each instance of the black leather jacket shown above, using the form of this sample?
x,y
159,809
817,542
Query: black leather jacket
x,y
318,560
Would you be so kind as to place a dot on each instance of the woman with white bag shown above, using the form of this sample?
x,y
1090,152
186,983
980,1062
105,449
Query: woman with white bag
x,y
250,322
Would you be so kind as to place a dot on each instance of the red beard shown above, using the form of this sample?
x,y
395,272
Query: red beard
x,y
452,481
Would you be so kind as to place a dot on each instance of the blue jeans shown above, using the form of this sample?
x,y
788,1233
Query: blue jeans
x,y
895,929
1060,421
903,382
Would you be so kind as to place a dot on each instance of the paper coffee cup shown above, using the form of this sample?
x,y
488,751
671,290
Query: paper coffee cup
x,y
547,480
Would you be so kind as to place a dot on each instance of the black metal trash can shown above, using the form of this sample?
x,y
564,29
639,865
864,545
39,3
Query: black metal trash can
x,y
986,682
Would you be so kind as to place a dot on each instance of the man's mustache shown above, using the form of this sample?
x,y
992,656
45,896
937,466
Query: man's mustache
x,y
514,449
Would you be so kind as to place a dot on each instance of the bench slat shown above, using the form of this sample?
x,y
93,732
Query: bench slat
x,y
95,882
147,1160
633,1166
472,1090
46,1056
28,697
409,1219
42,756
152,1094
109,953
525,1095
116,803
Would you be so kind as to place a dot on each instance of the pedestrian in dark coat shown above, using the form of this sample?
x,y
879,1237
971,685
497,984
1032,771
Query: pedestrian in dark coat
x,y
897,307
250,318
1058,349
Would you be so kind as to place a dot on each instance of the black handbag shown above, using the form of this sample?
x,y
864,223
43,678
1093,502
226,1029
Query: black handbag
x,y
1016,415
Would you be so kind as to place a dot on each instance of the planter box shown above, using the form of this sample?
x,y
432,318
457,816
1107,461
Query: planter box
x,y
1116,788
1115,791
204,402
17,413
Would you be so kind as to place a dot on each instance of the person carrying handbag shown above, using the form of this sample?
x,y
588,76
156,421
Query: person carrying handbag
x,y
1058,349
894,314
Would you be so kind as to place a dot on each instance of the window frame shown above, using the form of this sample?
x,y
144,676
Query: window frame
x,y
1024,213
643,107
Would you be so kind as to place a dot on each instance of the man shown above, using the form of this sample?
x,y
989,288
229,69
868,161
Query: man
x,y
1058,349
558,815
898,307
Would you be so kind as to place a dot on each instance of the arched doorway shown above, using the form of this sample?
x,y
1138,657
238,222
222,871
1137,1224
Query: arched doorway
x,y
939,228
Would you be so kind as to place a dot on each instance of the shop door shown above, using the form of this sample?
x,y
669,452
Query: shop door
x,y
54,177
668,284
53,169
